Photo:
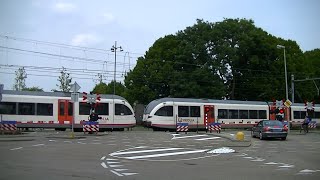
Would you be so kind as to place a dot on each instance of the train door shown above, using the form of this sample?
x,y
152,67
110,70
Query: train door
x,y
65,111
208,115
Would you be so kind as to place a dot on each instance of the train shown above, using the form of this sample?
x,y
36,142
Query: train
x,y
31,109
165,113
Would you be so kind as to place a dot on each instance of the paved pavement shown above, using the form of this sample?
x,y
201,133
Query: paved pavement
x,y
157,155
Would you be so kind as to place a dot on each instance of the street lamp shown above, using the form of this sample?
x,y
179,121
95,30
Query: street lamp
x,y
285,67
114,49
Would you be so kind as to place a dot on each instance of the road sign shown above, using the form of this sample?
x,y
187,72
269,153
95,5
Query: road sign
x,y
287,103
75,87
75,97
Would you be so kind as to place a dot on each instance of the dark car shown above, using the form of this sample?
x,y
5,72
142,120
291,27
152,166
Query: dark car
x,y
270,129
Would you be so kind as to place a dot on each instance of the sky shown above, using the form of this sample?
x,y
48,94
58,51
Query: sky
x,y
45,35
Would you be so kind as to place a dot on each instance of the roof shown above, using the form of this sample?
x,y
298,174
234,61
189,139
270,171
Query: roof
x,y
55,94
154,103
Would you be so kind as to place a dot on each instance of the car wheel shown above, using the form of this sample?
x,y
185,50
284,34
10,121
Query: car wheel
x,y
252,134
260,136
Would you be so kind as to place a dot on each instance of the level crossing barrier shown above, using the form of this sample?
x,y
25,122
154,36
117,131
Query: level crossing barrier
x,y
8,126
313,125
90,127
215,127
182,127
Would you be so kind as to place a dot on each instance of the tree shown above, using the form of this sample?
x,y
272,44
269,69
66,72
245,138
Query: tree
x,y
34,88
65,81
103,88
20,80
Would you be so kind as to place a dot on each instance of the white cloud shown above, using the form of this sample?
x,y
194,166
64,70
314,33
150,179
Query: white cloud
x,y
84,39
108,17
64,7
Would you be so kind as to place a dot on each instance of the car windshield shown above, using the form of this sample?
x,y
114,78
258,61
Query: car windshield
x,y
272,123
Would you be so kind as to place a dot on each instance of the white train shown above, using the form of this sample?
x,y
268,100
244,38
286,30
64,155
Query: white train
x,y
165,113
55,110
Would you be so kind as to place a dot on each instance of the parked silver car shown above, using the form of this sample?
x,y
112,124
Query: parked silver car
x,y
270,129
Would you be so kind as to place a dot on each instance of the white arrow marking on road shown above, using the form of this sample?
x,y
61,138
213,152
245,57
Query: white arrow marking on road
x,y
118,174
143,151
286,166
119,170
111,162
166,154
102,158
104,165
16,148
202,139
183,137
115,165
111,159
129,174
258,160
307,171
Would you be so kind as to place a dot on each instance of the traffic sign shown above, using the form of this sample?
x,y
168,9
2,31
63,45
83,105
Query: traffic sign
x,y
287,103
75,87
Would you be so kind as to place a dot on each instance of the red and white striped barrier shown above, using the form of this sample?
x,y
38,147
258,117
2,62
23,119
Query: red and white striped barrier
x,y
8,127
90,127
215,127
182,127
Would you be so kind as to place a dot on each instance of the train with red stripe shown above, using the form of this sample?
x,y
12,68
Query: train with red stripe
x,y
55,110
165,113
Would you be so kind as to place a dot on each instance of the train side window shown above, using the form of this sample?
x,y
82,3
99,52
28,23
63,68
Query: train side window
x,y
26,108
165,111
296,115
8,108
61,108
122,109
303,114
262,114
223,114
44,109
233,114
243,114
317,115
102,109
84,108
253,114
194,111
183,111
70,108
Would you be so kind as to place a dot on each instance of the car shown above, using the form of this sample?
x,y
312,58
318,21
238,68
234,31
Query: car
x,y
270,129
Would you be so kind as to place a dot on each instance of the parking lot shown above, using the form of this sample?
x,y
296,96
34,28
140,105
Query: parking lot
x,y
157,155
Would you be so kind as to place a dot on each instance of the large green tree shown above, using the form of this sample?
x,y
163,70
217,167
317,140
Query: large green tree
x,y
103,88
65,80
20,80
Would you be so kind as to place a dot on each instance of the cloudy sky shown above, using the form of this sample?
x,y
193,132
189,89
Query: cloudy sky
x,y
44,35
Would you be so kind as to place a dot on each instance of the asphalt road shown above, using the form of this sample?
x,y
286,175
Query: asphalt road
x,y
157,155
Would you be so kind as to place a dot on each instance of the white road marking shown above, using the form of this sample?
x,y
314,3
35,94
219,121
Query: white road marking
x,y
258,160
248,157
202,139
114,172
129,174
112,162
108,159
143,151
38,145
96,143
119,170
81,143
67,141
183,137
166,154
286,166
307,171
271,163
115,166
104,165
103,158
16,148
52,140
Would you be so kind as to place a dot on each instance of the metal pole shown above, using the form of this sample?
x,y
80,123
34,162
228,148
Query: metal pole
x,y
292,87
285,70
115,68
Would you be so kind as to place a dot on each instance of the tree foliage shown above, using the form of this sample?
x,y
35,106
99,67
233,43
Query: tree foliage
x,y
103,88
20,80
232,59
34,88
65,80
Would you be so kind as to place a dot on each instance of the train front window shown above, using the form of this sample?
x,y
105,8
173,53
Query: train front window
x,y
165,111
44,109
8,108
122,109
233,114
26,108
